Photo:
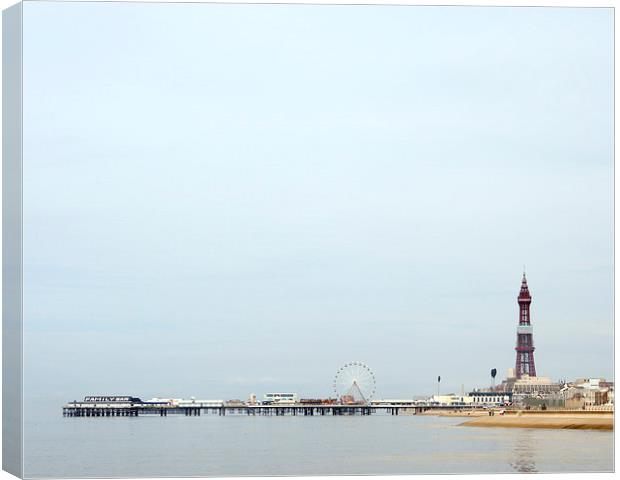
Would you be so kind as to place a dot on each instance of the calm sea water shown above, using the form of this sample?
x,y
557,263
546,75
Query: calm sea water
x,y
240,445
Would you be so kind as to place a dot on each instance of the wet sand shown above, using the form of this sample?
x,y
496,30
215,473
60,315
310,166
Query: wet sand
x,y
603,421
456,413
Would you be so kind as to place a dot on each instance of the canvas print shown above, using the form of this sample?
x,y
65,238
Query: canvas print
x,y
278,239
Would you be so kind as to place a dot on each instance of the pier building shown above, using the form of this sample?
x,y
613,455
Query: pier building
x,y
398,402
179,402
280,398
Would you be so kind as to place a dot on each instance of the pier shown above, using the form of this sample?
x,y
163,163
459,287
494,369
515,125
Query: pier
x,y
82,409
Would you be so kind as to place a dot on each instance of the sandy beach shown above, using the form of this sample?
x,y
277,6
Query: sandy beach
x,y
602,421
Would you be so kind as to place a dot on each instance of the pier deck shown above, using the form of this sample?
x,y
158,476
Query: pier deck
x,y
85,410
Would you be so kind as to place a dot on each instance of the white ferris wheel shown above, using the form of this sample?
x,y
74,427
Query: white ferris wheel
x,y
354,383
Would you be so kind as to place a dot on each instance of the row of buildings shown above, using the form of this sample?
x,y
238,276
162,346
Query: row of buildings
x,y
538,392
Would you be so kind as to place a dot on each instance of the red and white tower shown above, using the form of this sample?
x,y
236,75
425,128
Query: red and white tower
x,y
525,335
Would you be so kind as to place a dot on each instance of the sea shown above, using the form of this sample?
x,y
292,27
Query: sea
x,y
238,445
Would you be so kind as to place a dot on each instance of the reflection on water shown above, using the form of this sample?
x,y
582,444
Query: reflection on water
x,y
524,451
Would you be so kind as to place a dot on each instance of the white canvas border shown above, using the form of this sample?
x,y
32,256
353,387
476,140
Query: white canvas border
x,y
4,4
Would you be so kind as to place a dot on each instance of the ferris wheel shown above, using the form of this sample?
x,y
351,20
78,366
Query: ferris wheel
x,y
354,383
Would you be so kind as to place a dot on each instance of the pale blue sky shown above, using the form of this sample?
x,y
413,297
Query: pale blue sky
x,y
225,199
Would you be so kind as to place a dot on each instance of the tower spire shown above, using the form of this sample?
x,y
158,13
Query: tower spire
x,y
525,291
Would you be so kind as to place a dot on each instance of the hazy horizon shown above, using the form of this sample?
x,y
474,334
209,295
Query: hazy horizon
x,y
230,199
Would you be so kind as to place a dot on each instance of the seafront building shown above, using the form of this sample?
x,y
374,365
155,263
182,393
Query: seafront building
x,y
539,387
490,398
588,394
450,400
477,398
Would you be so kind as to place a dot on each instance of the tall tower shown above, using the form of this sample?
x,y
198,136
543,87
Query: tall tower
x,y
525,335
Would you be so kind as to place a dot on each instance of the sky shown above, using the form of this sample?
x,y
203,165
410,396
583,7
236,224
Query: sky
x,y
230,199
